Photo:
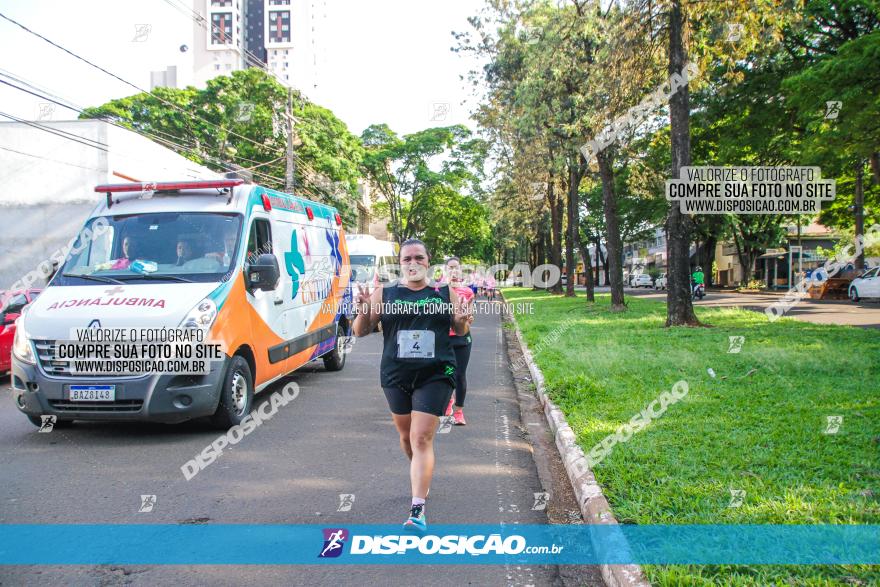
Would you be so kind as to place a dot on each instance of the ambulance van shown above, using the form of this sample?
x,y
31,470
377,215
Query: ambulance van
x,y
373,261
263,273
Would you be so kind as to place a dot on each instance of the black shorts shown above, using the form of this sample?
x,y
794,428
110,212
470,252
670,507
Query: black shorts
x,y
430,398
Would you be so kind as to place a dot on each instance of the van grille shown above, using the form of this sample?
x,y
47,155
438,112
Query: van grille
x,y
123,405
61,367
51,365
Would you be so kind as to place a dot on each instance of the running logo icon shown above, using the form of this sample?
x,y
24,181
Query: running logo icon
x,y
735,343
47,423
346,501
334,541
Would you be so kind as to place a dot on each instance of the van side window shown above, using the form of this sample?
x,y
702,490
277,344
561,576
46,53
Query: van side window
x,y
259,240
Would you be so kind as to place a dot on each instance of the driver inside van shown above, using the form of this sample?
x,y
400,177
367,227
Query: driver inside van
x,y
129,252
228,253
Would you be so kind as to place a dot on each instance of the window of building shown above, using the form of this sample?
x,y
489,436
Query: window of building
x,y
221,28
279,26
221,2
279,2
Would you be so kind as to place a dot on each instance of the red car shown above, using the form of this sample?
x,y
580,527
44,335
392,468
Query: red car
x,y
11,303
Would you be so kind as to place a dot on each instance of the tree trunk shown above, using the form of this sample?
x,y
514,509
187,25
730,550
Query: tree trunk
x,y
859,205
574,180
588,271
542,248
555,231
612,231
560,214
679,309
708,259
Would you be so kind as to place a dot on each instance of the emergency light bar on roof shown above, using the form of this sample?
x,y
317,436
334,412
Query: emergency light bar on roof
x,y
167,186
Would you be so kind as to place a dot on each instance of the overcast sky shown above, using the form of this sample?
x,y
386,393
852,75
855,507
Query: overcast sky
x,y
378,60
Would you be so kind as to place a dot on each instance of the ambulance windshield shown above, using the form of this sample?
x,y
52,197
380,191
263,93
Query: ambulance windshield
x,y
175,246
363,267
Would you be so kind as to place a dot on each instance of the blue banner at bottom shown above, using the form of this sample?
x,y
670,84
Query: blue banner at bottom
x,y
236,544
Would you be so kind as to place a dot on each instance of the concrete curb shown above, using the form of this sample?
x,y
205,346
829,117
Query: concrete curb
x,y
593,505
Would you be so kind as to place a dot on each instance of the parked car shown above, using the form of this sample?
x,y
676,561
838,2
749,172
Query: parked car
x,y
11,304
866,285
642,280
660,282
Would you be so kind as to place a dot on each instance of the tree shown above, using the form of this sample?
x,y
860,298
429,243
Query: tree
x,y
674,23
232,123
401,170
456,225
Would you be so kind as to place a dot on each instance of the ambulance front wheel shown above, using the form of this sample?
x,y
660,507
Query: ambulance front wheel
x,y
335,359
236,395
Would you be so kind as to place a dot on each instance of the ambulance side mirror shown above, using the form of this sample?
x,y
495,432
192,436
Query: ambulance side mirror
x,y
263,273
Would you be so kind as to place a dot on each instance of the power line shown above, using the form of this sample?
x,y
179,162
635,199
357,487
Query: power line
x,y
257,62
184,146
49,159
30,84
165,142
98,67
38,95
63,135
138,88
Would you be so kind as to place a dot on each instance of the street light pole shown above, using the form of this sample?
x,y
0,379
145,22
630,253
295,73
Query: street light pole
x,y
291,164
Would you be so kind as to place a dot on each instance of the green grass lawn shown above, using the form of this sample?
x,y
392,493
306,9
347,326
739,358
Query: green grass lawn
x,y
758,425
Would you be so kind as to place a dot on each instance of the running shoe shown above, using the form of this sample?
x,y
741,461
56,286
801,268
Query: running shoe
x,y
459,418
416,520
449,407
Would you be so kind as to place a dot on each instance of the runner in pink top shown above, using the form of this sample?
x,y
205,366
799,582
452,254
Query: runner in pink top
x,y
461,345
490,287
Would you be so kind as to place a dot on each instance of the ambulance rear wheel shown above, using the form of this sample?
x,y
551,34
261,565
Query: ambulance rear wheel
x,y
236,394
335,359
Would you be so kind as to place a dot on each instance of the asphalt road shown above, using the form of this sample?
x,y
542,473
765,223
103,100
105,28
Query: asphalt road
x,y
335,438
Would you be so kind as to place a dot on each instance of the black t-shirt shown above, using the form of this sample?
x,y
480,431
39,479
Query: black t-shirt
x,y
428,310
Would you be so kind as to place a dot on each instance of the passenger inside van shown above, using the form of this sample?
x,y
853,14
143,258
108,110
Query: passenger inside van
x,y
184,252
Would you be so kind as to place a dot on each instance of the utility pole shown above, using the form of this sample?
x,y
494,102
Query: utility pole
x,y
860,212
291,164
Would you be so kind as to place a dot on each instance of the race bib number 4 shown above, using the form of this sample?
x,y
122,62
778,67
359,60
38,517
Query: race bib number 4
x,y
415,344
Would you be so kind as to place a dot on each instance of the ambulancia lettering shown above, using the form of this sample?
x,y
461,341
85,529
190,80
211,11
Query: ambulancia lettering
x,y
139,302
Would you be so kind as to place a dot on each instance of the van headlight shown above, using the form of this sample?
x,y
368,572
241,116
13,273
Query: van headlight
x,y
21,344
202,316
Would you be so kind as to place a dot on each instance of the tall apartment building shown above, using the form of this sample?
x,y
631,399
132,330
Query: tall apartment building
x,y
235,34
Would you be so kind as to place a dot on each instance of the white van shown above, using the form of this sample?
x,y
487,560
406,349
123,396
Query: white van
x,y
262,272
373,261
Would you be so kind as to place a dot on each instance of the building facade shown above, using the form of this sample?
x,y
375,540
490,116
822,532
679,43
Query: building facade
x,y
231,35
